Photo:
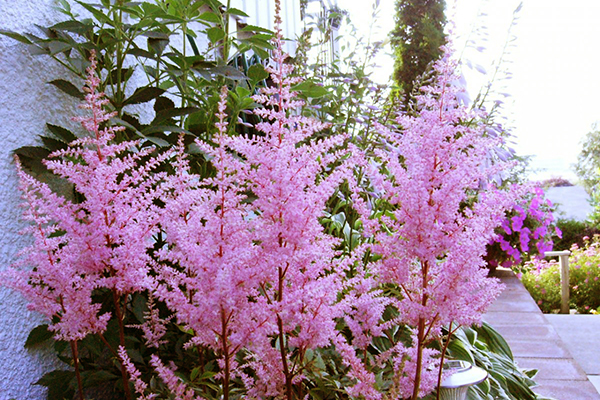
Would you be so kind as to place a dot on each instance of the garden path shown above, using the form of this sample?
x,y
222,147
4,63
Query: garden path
x,y
536,344
581,334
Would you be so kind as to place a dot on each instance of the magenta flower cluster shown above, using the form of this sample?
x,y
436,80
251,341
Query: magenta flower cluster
x,y
526,231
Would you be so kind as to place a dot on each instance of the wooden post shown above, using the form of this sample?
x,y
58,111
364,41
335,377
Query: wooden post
x,y
563,257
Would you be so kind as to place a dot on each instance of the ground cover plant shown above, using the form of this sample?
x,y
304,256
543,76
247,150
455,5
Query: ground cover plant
x,y
542,279
238,280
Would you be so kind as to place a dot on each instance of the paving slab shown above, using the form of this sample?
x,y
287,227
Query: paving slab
x,y
559,369
539,349
567,390
536,344
581,335
515,317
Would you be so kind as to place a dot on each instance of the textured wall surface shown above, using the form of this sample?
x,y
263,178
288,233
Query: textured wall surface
x,y
26,104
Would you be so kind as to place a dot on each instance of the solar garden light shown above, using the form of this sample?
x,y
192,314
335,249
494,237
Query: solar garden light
x,y
456,386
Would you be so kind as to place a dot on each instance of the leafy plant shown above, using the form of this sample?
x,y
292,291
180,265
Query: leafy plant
x,y
484,346
574,232
542,279
139,61
526,232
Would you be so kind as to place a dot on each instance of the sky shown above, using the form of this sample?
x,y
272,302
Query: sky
x,y
551,96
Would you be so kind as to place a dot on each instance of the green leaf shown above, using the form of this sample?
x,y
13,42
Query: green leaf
x,y
235,11
242,91
94,378
215,34
174,112
229,72
460,351
53,144
38,335
58,384
64,134
140,307
57,46
143,95
156,35
15,36
161,129
257,73
73,26
163,103
158,45
99,15
68,88
121,122
141,53
32,152
494,340
79,64
210,17
310,89
254,28
125,75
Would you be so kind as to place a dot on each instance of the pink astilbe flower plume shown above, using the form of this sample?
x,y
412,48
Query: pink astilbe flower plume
x,y
248,264
209,273
100,242
442,220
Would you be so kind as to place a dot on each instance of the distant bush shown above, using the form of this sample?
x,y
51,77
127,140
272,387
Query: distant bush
x,y
542,279
555,182
573,232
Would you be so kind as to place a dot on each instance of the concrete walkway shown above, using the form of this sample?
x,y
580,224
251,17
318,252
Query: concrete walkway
x,y
581,334
536,344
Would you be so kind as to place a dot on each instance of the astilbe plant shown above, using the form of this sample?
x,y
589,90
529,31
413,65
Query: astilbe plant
x,y
99,243
247,266
433,242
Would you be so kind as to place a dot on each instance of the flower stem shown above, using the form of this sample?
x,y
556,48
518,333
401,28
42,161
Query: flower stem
x,y
77,374
120,316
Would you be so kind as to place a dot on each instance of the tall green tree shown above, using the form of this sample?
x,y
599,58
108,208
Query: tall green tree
x,y
416,39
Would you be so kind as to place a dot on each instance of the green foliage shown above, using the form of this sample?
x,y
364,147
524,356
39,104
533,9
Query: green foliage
x,y
542,280
587,169
573,232
416,39
139,39
486,348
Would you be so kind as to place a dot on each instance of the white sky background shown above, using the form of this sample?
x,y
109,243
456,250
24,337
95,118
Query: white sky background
x,y
554,93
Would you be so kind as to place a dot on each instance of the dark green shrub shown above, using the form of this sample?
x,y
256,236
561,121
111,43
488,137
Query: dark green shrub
x,y
573,232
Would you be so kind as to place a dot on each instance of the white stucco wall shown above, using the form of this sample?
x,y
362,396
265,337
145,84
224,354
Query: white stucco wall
x,y
27,102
